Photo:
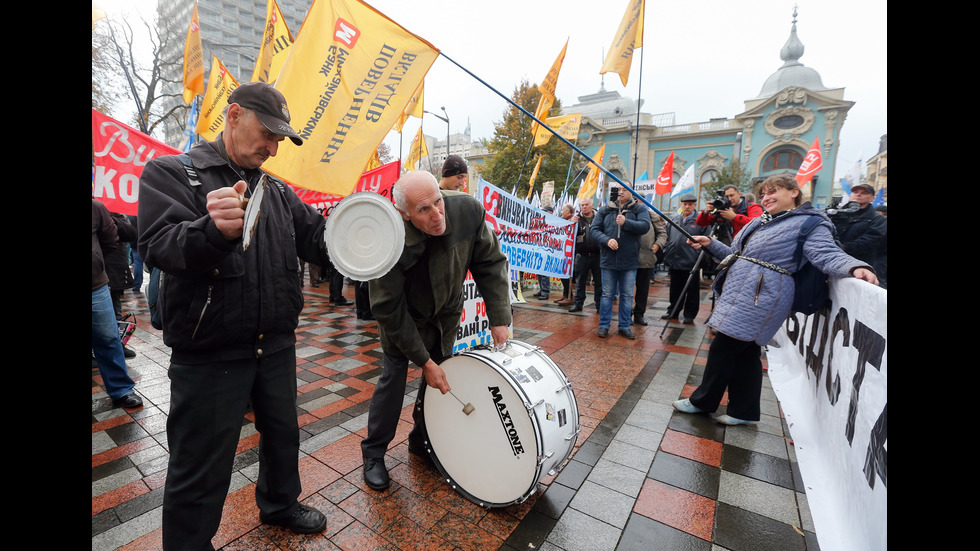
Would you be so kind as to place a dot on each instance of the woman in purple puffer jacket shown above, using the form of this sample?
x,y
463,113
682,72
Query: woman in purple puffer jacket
x,y
756,296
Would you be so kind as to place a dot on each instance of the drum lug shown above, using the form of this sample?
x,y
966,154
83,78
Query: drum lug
x,y
530,407
543,458
573,435
568,384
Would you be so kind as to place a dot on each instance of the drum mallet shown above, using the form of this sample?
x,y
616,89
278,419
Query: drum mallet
x,y
467,408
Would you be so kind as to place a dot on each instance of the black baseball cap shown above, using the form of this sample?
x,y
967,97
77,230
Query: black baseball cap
x,y
866,187
269,106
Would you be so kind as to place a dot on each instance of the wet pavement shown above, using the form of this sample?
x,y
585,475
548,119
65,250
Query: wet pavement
x,y
640,476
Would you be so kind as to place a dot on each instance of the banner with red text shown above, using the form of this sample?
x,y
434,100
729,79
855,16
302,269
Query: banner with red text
x,y
534,241
121,152
830,373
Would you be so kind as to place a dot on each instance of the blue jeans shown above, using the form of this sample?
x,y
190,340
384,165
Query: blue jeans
x,y
544,282
107,346
613,282
137,270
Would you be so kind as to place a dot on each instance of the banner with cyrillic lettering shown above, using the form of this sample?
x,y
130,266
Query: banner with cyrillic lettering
x,y
474,325
121,152
830,373
378,180
350,74
534,240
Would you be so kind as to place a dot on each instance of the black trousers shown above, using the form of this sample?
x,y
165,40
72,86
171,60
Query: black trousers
x,y
584,265
736,366
208,402
691,301
386,407
643,276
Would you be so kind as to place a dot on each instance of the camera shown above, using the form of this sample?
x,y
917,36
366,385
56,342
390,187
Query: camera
x,y
844,212
614,194
722,202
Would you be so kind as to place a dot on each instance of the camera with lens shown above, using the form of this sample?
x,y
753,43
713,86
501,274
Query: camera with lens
x,y
614,194
834,208
722,202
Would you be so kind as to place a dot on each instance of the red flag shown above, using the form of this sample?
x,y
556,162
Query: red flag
x,y
665,180
121,152
811,164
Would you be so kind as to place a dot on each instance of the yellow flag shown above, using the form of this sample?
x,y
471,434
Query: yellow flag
x,y
274,49
193,61
628,37
375,162
530,184
416,151
592,179
349,75
566,126
547,89
413,109
221,83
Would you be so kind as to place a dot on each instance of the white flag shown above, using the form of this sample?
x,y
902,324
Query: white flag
x,y
852,179
685,184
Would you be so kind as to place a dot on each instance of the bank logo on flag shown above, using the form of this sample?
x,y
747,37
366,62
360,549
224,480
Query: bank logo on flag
x,y
346,33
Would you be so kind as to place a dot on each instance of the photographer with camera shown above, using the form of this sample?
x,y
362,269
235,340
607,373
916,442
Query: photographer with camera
x,y
618,227
732,209
860,230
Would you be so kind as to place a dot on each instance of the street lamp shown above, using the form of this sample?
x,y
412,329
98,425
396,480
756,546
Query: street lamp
x,y
445,120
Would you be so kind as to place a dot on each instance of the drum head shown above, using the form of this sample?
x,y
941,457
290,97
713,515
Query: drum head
x,y
365,236
490,455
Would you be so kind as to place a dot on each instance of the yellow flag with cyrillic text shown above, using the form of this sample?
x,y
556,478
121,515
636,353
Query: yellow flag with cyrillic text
x,y
628,37
416,151
193,60
566,126
276,41
530,183
413,109
591,182
211,120
547,89
350,73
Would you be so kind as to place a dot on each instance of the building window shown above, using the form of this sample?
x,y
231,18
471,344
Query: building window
x,y
784,159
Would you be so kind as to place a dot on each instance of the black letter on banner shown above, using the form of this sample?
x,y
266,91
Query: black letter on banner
x,y
871,347
815,361
793,328
876,462
841,324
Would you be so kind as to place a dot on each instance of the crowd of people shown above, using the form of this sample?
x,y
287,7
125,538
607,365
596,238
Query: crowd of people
x,y
230,355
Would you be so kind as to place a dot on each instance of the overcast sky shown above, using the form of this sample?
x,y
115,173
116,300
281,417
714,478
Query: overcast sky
x,y
701,58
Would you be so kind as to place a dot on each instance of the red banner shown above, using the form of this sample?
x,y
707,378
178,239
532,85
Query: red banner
x,y
121,152
378,180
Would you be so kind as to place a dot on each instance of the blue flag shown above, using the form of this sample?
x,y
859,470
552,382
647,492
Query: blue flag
x,y
190,133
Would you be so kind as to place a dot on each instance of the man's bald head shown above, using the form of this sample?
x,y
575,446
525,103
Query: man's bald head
x,y
418,198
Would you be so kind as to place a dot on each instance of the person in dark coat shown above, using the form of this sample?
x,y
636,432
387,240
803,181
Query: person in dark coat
x,y
861,233
680,259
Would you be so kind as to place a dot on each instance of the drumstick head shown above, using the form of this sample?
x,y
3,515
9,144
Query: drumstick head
x,y
468,408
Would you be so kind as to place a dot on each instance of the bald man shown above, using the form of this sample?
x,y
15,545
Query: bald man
x,y
419,302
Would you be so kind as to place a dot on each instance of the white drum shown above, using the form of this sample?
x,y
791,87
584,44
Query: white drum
x,y
365,236
524,423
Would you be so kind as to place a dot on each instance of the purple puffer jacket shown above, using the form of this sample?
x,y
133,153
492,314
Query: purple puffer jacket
x,y
754,300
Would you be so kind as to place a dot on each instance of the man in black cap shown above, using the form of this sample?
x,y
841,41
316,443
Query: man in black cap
x,y
229,315
861,233
680,259
453,173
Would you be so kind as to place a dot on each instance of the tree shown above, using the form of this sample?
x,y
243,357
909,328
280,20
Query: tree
x,y
127,85
732,174
509,147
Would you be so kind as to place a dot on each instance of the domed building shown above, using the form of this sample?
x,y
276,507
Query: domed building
x,y
772,135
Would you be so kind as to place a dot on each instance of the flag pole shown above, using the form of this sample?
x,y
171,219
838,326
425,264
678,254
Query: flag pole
x,y
526,155
569,173
606,171
636,142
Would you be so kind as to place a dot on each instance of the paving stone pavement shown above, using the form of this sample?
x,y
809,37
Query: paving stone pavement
x,y
640,476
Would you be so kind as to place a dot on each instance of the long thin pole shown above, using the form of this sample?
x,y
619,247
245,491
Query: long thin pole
x,y
530,146
579,151
636,142
569,173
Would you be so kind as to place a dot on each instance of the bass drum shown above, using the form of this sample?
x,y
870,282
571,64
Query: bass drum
x,y
524,423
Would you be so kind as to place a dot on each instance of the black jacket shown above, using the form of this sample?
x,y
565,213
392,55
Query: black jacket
x,y
105,239
604,228
861,234
218,301
117,261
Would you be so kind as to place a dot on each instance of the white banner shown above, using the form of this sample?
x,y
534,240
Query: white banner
x,y
474,326
830,373
534,241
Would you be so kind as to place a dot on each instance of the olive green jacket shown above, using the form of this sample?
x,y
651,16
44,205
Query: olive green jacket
x,y
419,302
